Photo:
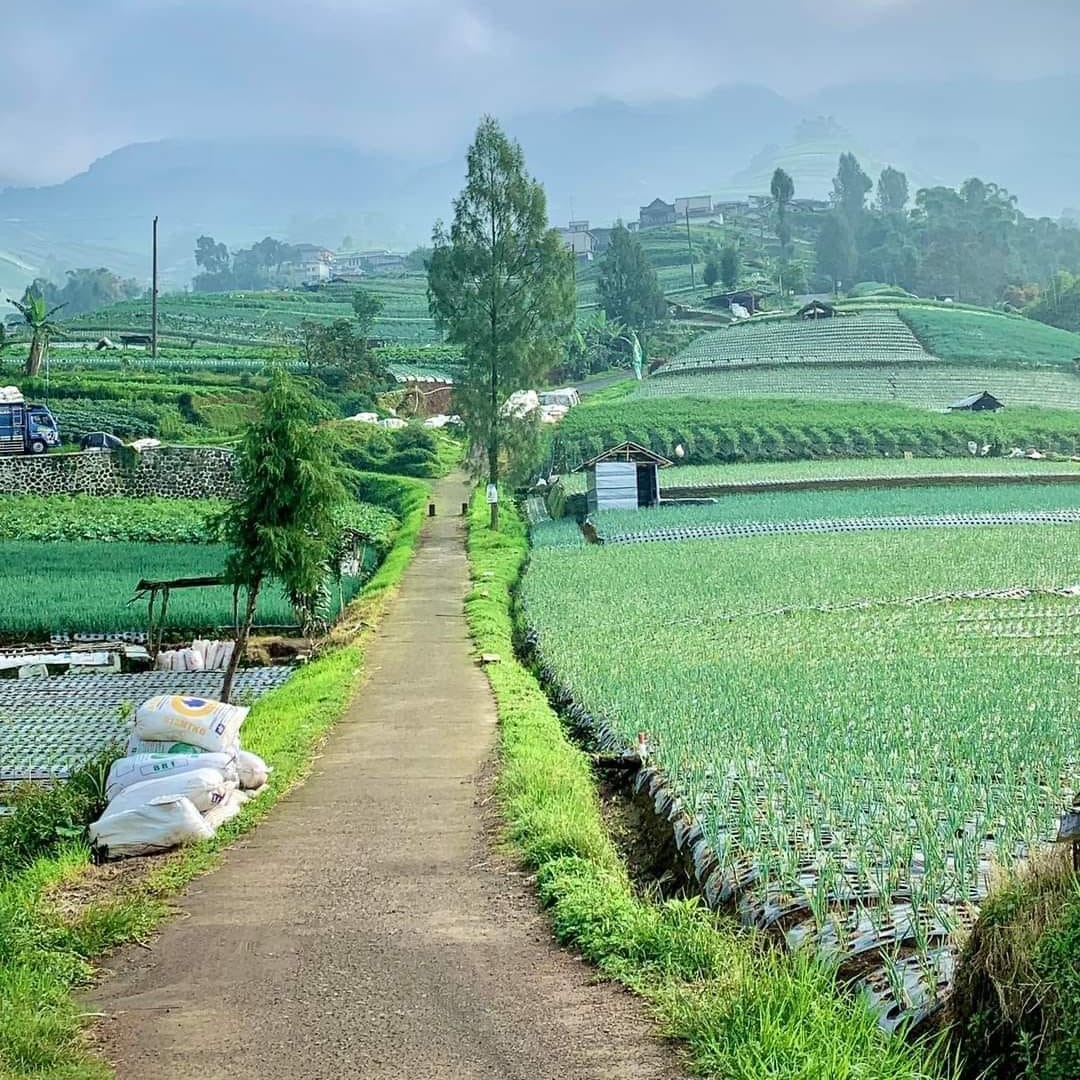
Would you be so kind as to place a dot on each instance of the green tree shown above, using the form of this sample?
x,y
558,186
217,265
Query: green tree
x,y
501,286
850,188
367,307
285,525
211,257
730,267
338,355
38,317
712,273
892,191
783,191
628,288
836,252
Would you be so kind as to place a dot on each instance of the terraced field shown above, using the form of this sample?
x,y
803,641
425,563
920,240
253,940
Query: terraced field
x,y
875,337
929,386
846,729
703,477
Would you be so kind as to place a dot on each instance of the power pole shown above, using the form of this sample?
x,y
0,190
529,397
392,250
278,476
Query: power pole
x,y
690,248
153,300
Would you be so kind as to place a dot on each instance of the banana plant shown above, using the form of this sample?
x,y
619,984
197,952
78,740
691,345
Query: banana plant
x,y
38,317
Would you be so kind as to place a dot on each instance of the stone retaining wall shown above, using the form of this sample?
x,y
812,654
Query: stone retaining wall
x,y
171,472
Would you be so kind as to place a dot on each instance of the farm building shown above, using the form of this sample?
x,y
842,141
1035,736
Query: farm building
x,y
623,478
984,402
695,206
656,213
601,240
751,299
578,239
817,309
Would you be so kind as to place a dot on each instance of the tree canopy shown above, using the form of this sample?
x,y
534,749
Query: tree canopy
x,y
628,287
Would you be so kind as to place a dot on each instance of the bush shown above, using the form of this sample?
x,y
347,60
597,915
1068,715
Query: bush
x,y
410,451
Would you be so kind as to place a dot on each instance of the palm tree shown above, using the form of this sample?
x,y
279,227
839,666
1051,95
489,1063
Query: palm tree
x,y
39,318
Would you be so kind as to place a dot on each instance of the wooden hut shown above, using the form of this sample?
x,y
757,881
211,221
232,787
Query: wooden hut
x,y
623,478
817,309
983,402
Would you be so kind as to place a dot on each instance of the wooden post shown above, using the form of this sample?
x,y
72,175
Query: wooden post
x,y
153,299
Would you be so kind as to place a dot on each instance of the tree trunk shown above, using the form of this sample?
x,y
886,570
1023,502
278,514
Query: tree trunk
x,y
493,478
37,352
240,645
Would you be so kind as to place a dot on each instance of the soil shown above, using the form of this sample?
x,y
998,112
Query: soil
x,y
372,926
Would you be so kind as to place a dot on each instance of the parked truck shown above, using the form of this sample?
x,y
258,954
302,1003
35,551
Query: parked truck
x,y
25,428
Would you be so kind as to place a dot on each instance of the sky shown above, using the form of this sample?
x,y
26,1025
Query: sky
x,y
82,77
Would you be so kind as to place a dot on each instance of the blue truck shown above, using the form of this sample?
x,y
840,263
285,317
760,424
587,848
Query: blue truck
x,y
25,428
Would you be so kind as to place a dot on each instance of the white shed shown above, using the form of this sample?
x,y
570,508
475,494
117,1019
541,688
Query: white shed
x,y
623,478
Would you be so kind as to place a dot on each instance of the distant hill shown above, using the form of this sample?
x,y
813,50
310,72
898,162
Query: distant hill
x,y
600,162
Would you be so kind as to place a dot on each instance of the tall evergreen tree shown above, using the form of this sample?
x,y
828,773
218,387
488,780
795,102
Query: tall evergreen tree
x,y
285,525
628,288
850,188
783,191
892,191
500,284
837,255
729,266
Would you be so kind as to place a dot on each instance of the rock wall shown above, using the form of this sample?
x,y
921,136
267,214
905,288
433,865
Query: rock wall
x,y
171,472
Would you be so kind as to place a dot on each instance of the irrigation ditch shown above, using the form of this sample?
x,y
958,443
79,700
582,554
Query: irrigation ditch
x,y
668,853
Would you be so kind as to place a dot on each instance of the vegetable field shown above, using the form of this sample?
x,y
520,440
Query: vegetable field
x,y
69,564
927,386
796,506
855,726
706,476
713,430
84,587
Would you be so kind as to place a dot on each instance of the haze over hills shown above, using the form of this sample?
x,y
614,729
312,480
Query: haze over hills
x,y
599,162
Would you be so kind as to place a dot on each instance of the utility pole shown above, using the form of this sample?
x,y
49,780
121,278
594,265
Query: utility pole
x,y
690,248
153,300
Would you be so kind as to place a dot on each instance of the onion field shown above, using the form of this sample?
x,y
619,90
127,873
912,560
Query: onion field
x,y
855,728
69,564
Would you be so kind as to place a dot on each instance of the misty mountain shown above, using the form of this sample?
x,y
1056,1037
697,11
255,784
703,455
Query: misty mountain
x,y
599,162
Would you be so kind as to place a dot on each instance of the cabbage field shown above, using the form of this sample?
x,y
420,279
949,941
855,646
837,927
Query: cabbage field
x,y
854,728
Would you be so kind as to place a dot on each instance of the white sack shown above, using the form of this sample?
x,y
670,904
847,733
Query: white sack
x,y
193,660
209,724
157,826
225,810
164,660
203,787
252,770
138,767
135,745
202,647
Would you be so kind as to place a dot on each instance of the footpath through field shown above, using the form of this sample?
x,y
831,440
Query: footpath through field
x,y
368,929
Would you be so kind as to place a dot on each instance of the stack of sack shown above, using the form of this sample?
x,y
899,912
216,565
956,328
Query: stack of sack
x,y
202,656
184,775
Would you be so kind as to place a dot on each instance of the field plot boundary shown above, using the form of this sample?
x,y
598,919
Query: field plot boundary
x,y
725,530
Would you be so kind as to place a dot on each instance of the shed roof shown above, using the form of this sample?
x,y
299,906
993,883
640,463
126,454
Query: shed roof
x,y
627,451
985,398
659,204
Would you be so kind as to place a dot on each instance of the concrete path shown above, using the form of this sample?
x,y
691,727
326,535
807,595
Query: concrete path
x,y
369,929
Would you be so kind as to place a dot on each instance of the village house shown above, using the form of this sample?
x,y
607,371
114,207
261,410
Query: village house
x,y
656,213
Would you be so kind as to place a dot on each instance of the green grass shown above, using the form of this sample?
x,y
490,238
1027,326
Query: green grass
x,y
712,430
744,1012
45,954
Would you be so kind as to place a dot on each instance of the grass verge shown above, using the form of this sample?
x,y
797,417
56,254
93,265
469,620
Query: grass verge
x,y
1017,993
46,953
743,1010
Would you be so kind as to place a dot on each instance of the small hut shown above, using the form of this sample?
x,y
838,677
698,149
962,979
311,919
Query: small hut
x,y
984,402
623,478
817,309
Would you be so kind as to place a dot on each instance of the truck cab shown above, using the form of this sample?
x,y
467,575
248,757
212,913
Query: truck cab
x,y
25,427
